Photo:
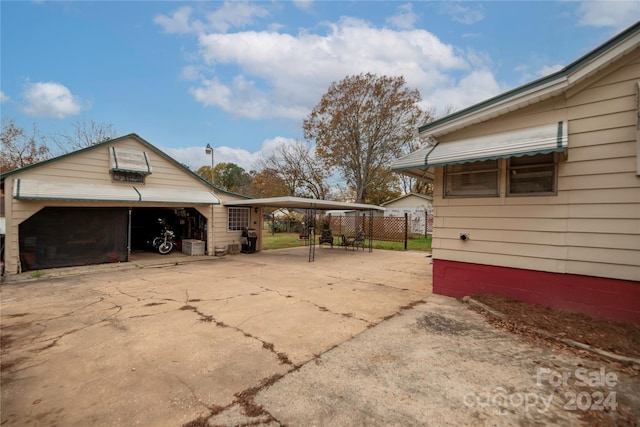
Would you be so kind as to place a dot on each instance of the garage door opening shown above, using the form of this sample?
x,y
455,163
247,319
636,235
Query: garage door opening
x,y
66,237
148,223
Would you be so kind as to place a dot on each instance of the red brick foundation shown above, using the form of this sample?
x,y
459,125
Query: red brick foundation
x,y
595,296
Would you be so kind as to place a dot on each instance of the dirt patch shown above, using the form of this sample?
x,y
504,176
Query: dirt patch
x,y
616,337
443,325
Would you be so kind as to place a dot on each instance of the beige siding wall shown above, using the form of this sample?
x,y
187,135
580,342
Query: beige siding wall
x,y
92,167
592,226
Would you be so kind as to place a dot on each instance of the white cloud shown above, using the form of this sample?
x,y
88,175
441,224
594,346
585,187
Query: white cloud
x,y
179,21
4,98
229,15
303,4
50,99
195,157
405,18
463,14
475,87
235,14
284,76
615,14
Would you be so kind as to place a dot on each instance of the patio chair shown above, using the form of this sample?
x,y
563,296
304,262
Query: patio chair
x,y
355,241
326,236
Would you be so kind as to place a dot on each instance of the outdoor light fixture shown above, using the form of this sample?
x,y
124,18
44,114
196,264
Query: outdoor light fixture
x,y
209,150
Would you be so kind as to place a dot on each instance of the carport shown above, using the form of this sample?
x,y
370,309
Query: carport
x,y
312,206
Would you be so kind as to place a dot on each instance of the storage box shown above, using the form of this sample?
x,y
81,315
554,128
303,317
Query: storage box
x,y
193,247
234,248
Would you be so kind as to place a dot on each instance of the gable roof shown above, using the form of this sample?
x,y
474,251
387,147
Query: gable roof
x,y
541,89
422,196
120,138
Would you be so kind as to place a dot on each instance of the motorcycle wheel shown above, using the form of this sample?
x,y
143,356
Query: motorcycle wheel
x,y
157,241
165,248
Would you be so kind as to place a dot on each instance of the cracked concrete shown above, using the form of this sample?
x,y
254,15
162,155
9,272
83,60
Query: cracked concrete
x,y
167,346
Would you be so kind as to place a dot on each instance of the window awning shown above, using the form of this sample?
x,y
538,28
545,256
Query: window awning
x,y
175,195
29,189
129,161
522,142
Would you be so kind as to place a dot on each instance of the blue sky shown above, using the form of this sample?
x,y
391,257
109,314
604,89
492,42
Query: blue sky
x,y
242,76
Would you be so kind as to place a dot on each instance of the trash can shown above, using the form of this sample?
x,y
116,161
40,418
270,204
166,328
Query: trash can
x,y
249,237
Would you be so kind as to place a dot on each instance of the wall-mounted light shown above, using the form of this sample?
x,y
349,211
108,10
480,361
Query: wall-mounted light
x,y
256,210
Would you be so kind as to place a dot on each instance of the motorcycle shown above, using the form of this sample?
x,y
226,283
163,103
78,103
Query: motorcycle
x,y
165,242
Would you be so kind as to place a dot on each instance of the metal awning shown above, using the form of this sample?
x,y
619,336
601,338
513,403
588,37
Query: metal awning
x,y
30,189
175,195
522,142
302,203
129,161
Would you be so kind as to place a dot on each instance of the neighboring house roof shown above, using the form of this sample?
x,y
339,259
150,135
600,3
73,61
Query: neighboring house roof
x,y
110,141
422,196
548,138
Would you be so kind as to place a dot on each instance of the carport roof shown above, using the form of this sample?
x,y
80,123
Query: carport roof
x,y
302,203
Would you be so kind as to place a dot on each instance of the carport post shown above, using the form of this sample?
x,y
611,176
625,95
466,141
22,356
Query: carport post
x,y
406,229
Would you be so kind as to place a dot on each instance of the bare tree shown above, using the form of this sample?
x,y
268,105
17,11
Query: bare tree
x,y
303,174
84,134
20,148
361,124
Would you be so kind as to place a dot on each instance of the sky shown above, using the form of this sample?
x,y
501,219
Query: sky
x,y
242,76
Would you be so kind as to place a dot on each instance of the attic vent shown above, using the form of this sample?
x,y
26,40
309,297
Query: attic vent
x,y
129,161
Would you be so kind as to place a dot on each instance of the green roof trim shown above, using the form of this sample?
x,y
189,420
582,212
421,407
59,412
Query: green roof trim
x,y
558,75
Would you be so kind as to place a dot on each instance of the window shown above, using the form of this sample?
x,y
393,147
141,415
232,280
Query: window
x,y
529,175
477,179
238,219
120,176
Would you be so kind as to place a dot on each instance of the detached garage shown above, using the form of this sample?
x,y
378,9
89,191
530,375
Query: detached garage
x,y
98,204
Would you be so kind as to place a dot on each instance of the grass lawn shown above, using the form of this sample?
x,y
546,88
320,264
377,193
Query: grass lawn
x,y
288,240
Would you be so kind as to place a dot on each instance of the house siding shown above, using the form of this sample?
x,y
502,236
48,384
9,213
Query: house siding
x,y
592,226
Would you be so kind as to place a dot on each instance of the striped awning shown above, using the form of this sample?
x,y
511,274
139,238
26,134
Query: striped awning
x,y
522,142
30,189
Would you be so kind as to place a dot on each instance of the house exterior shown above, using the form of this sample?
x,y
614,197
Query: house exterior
x,y
537,190
97,204
419,209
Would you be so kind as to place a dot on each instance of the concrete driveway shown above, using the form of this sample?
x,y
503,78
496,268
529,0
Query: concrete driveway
x,y
165,345
354,338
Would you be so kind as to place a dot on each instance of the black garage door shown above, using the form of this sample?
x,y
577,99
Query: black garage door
x,y
65,237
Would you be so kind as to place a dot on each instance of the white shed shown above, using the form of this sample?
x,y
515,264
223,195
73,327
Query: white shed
x,y
417,206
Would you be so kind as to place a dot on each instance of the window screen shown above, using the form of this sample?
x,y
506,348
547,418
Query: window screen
x,y
532,175
477,179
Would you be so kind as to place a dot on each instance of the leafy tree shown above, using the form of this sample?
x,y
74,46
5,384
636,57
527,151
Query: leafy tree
x,y
268,183
385,187
303,174
84,134
206,173
361,124
231,177
20,148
